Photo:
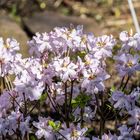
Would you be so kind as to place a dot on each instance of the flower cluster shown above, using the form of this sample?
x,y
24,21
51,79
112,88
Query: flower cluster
x,y
59,92
8,55
128,56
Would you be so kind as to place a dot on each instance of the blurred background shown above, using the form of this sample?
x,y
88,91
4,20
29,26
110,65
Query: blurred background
x,y
21,19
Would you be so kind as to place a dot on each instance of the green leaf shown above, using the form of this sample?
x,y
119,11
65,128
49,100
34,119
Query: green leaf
x,y
55,125
80,54
32,137
113,88
81,100
43,97
52,124
109,106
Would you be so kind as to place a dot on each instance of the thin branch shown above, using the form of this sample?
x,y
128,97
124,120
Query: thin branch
x,y
66,103
71,93
126,83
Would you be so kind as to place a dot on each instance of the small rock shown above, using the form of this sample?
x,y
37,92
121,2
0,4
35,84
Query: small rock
x,y
9,28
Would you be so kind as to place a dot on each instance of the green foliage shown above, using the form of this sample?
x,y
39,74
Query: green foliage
x,y
65,11
14,10
55,125
80,54
81,100
113,88
43,97
109,106
32,137
14,13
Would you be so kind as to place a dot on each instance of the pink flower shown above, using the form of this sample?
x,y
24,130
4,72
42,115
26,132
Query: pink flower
x,y
103,46
65,69
74,132
44,130
127,64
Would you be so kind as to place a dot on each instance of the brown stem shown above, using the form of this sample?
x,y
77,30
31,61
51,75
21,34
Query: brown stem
x,y
98,106
102,119
55,106
126,83
62,135
66,110
26,136
3,138
52,102
25,105
33,108
116,122
71,93
102,126
16,102
121,84
82,113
